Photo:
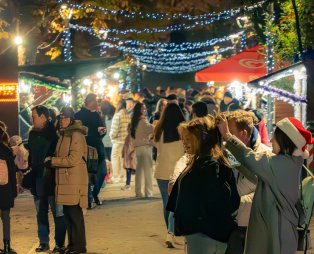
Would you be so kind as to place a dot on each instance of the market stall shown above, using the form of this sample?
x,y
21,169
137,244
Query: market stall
x,y
294,81
59,84
35,89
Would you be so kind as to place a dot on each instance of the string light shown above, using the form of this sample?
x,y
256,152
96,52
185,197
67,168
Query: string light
x,y
159,16
172,63
180,56
243,41
169,28
172,46
280,94
176,69
156,53
270,62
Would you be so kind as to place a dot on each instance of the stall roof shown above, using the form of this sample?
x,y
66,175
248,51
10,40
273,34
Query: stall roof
x,y
243,67
70,70
290,69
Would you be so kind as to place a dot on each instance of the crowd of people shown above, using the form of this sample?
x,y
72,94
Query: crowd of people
x,y
222,187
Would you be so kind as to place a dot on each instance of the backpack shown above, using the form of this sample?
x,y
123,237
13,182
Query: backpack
x,y
91,160
4,173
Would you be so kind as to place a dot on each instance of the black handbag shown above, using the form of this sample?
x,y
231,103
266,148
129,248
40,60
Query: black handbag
x,y
28,178
91,160
304,241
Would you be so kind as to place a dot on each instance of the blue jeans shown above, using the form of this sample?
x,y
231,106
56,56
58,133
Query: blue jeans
x,y
203,244
94,189
128,176
42,208
168,216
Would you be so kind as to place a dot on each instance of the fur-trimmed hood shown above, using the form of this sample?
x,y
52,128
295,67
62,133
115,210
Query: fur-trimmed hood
x,y
76,126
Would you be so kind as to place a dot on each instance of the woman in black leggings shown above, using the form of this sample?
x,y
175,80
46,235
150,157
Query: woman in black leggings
x,y
8,189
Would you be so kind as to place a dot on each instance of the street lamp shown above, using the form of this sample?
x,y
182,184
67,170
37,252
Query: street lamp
x,y
18,40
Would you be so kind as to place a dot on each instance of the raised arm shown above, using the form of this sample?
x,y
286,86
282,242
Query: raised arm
x,y
257,163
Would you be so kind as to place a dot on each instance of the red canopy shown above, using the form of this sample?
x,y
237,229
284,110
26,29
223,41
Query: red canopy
x,y
243,67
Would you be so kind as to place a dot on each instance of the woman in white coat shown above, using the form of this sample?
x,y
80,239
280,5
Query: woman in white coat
x,y
169,151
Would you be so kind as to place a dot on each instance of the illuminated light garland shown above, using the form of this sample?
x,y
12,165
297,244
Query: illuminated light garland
x,y
243,43
67,45
175,47
172,63
270,62
181,56
156,53
171,28
159,16
177,69
280,94
172,47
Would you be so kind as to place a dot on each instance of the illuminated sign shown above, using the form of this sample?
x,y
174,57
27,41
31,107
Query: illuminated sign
x,y
8,92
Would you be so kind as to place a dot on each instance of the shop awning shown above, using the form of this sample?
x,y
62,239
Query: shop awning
x,y
71,70
243,67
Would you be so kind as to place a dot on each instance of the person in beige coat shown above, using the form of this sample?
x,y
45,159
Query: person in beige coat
x,y
71,178
142,132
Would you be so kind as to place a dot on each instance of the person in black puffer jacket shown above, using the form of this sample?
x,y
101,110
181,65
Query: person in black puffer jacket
x,y
204,198
42,143
90,118
8,192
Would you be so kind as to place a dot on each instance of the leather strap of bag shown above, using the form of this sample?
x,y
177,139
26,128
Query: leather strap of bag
x,y
306,225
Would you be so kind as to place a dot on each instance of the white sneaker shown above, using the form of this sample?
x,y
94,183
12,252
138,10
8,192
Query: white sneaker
x,y
126,187
170,240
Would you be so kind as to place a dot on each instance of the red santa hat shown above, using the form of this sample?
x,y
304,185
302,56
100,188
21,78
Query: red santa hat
x,y
300,136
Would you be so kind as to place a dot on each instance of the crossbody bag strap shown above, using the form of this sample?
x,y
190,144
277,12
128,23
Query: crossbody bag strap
x,y
306,225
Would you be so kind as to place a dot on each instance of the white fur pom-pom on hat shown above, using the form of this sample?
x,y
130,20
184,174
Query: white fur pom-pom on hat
x,y
300,136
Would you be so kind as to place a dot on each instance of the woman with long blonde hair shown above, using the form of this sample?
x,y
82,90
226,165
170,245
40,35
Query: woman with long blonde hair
x,y
204,198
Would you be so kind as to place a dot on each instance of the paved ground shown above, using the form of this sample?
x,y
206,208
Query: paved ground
x,y
123,225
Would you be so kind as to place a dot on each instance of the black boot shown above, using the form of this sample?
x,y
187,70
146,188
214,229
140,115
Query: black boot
x,y
7,247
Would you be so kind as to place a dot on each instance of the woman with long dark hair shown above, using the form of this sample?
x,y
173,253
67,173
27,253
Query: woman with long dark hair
x,y
8,190
169,151
142,131
204,198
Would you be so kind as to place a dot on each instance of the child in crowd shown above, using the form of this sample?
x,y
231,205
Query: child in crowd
x,y
19,151
129,160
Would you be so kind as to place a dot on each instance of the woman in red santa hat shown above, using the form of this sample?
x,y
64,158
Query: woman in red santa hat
x,y
274,219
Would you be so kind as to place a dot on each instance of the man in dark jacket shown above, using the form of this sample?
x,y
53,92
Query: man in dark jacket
x,y
96,131
42,142
229,103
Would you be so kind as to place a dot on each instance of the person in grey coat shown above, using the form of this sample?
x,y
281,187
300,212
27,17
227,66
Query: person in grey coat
x,y
274,219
